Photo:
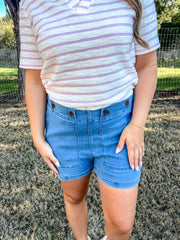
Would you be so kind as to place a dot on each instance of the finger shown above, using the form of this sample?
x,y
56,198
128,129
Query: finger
x,y
120,144
136,158
140,156
143,149
54,159
51,166
131,157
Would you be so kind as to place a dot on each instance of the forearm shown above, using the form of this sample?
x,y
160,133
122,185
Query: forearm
x,y
143,94
36,106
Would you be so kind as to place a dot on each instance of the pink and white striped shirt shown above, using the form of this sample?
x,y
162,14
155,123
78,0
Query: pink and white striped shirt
x,y
85,48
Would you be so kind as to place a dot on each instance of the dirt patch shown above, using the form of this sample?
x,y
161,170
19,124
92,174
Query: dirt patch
x,y
31,199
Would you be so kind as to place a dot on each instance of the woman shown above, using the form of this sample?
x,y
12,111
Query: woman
x,y
91,73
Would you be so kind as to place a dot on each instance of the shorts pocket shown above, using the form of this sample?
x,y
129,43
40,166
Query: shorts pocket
x,y
62,136
111,132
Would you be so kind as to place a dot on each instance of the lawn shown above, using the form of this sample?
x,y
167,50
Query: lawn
x,y
8,73
168,79
31,198
8,80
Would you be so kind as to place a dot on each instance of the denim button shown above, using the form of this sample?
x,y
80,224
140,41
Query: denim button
x,y
71,113
52,105
106,112
127,103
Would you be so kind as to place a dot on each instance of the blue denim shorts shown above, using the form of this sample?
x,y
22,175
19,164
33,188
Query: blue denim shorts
x,y
83,140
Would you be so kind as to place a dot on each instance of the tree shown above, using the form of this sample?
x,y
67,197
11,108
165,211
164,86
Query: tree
x,y
7,38
167,11
12,9
176,11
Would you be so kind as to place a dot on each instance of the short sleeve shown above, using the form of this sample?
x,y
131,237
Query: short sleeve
x,y
148,28
29,54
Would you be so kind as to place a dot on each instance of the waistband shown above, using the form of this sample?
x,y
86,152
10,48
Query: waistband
x,y
107,112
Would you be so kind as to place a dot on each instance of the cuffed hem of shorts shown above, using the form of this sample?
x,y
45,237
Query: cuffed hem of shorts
x,y
75,176
120,185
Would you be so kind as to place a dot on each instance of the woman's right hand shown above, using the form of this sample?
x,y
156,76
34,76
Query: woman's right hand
x,y
47,154
36,101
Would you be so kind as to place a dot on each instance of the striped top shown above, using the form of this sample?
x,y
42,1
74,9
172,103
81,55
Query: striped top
x,y
85,48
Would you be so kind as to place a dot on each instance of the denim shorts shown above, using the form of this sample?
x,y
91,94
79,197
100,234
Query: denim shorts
x,y
83,140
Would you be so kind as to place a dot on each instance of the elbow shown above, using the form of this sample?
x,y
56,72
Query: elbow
x,y
148,67
146,61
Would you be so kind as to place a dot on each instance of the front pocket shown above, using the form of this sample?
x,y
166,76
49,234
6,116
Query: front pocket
x,y
111,132
62,136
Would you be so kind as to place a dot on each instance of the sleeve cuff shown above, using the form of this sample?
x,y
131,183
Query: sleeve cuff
x,y
145,50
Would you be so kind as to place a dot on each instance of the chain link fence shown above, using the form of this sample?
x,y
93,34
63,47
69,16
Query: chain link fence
x,y
169,61
168,68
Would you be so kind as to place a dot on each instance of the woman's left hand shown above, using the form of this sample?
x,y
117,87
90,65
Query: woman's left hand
x,y
133,137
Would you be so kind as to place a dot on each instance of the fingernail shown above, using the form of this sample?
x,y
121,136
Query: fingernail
x,y
57,164
137,168
117,150
132,167
140,163
143,154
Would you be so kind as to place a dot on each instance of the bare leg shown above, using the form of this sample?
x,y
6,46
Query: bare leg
x,y
119,207
75,204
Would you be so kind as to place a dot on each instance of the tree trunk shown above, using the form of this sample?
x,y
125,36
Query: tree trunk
x,y
21,71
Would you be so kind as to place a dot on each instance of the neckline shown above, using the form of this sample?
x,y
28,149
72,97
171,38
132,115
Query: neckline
x,y
79,6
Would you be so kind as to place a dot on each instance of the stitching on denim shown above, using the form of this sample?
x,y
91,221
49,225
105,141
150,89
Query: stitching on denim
x,y
84,173
63,117
48,111
100,134
59,114
89,138
77,136
122,110
132,181
115,114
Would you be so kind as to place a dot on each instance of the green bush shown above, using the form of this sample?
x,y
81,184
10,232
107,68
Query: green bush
x,y
7,39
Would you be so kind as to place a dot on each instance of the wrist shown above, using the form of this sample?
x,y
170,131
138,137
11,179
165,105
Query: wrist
x,y
137,125
38,140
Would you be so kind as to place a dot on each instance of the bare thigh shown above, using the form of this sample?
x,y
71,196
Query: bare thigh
x,y
75,191
119,205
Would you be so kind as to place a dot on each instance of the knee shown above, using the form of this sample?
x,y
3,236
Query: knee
x,y
74,199
120,227
125,229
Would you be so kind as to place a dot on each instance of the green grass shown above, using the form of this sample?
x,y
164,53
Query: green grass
x,y
164,72
8,86
8,80
168,79
165,84
8,73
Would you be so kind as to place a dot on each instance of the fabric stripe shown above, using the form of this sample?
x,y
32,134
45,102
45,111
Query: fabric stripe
x,y
85,49
82,23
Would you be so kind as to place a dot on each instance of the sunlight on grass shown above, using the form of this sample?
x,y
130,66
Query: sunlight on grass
x,y
8,72
168,72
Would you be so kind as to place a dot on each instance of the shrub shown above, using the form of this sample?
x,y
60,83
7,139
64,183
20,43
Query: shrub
x,y
7,39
